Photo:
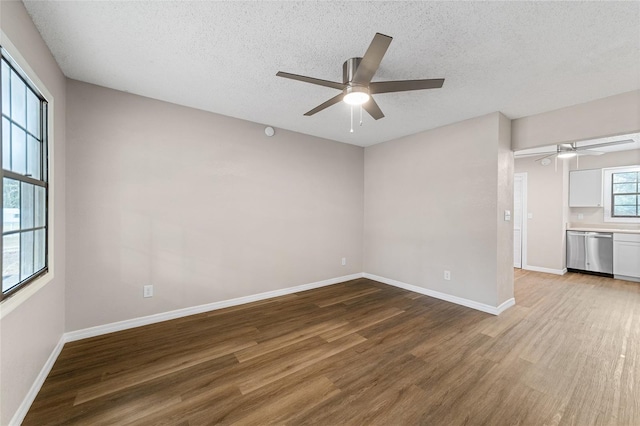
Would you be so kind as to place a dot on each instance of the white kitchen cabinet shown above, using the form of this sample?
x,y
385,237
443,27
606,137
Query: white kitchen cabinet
x,y
585,188
626,256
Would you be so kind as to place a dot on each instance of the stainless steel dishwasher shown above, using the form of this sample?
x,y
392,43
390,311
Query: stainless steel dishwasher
x,y
590,252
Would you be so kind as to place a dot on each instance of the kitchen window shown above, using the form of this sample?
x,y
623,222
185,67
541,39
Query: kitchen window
x,y
622,194
24,179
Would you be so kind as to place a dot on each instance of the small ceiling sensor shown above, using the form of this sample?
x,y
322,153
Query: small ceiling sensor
x,y
269,131
545,162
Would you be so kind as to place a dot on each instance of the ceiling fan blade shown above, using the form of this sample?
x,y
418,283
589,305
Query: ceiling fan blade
x,y
405,85
516,155
547,156
371,59
326,104
588,152
319,82
602,145
373,109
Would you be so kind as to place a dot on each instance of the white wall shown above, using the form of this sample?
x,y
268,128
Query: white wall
x,y
204,207
29,331
434,201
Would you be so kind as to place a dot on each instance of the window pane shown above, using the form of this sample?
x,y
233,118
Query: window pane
x,y
18,100
6,104
625,211
33,114
26,255
625,200
24,122
26,211
6,144
40,207
39,250
33,157
624,188
625,177
10,261
11,205
18,150
43,138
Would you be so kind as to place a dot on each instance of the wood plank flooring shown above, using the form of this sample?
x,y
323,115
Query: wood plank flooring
x,y
362,352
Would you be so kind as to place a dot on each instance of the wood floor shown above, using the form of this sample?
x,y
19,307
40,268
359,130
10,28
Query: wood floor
x,y
362,352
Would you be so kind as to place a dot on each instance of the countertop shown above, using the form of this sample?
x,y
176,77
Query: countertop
x,y
603,227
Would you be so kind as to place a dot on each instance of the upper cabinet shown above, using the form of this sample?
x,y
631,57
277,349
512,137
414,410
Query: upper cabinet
x,y
585,188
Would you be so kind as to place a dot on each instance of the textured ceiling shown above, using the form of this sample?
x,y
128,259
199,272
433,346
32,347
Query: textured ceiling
x,y
520,58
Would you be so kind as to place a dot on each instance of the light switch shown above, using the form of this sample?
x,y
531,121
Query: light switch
x,y
529,215
507,215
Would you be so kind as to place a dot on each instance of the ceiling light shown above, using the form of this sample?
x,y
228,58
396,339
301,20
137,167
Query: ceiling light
x,y
568,154
356,95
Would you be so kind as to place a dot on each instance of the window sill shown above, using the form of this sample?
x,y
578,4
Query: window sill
x,y
8,305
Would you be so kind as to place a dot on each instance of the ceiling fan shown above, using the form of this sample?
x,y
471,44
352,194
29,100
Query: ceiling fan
x,y
568,150
357,86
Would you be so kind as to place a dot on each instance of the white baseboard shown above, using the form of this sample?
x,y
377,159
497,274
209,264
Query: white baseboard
x,y
494,310
23,409
626,278
505,305
545,270
192,310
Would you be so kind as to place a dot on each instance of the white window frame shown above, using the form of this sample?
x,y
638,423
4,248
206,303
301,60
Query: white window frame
x,y
9,304
607,175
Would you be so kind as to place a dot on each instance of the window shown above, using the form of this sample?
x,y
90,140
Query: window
x,y
622,194
24,179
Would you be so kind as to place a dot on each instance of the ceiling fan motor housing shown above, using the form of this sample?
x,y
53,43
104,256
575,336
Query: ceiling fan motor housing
x,y
349,69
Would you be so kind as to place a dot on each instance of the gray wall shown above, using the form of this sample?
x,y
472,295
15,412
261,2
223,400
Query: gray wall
x,y
434,201
204,207
31,329
504,244
611,116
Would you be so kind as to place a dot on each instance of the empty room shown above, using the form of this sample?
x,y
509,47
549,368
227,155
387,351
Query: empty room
x,y
296,212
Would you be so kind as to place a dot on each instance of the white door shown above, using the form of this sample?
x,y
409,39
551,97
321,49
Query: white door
x,y
519,214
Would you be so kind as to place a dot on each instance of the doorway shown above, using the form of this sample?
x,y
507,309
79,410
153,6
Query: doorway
x,y
519,220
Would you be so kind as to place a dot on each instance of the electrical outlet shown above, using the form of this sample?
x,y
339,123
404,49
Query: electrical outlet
x,y
147,291
580,216
447,275
344,261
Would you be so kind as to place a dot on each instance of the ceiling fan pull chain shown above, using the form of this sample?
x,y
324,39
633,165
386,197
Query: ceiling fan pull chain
x,y
360,115
351,131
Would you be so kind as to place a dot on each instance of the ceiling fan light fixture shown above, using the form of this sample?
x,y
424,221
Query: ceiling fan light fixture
x,y
356,95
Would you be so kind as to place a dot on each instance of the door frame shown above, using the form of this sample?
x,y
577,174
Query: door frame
x,y
525,219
